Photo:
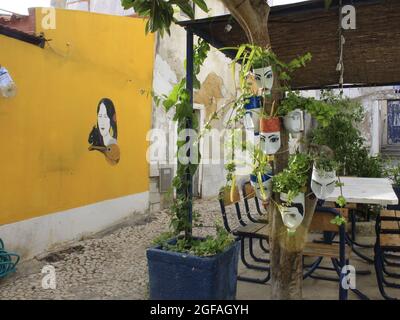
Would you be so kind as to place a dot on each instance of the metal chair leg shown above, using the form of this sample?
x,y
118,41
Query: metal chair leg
x,y
245,262
379,273
257,259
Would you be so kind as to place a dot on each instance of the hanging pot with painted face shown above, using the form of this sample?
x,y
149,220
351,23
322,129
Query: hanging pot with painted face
x,y
8,88
263,192
294,121
264,77
270,135
323,182
293,214
252,115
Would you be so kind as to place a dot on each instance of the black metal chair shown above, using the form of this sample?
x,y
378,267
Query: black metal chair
x,y
248,194
246,230
387,249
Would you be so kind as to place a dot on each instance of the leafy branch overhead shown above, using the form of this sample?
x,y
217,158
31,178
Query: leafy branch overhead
x,y
160,13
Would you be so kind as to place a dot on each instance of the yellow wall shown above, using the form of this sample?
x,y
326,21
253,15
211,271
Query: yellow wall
x,y
45,165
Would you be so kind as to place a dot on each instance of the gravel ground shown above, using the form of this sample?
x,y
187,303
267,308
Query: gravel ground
x,y
110,266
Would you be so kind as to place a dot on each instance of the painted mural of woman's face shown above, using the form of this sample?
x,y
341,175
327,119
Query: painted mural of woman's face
x,y
103,121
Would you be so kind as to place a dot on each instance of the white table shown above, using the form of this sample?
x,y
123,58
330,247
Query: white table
x,y
366,190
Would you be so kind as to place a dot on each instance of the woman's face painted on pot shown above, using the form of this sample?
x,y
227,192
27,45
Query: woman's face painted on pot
x,y
293,121
293,214
264,77
323,183
271,142
103,121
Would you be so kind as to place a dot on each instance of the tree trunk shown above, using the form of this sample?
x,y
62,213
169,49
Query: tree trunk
x,y
285,250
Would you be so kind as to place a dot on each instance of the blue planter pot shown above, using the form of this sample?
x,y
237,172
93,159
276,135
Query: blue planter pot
x,y
177,276
253,103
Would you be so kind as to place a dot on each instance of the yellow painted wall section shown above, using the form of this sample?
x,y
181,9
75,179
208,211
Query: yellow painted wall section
x,y
45,165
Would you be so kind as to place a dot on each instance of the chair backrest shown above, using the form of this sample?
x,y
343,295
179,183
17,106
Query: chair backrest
x,y
322,219
226,201
248,191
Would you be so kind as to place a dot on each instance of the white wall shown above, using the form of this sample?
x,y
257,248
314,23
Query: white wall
x,y
31,237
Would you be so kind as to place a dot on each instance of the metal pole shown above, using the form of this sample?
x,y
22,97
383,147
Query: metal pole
x,y
189,88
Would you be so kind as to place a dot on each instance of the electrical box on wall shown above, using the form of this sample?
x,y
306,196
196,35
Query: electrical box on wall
x,y
166,179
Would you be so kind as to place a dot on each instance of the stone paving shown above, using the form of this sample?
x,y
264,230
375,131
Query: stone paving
x,y
112,265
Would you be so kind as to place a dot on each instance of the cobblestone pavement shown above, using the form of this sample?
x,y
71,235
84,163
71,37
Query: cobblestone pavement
x,y
111,266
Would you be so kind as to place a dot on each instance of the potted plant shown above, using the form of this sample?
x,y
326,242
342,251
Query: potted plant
x,y
294,106
181,265
262,71
291,184
294,121
252,114
393,173
270,134
261,175
323,178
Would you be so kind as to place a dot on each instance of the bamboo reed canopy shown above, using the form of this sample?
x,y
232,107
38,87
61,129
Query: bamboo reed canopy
x,y
371,53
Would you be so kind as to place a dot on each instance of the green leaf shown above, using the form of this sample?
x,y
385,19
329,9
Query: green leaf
x,y
201,4
341,201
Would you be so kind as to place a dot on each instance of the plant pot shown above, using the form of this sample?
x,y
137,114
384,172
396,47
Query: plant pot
x,y
178,276
7,85
294,121
270,135
252,115
266,183
323,183
293,214
264,77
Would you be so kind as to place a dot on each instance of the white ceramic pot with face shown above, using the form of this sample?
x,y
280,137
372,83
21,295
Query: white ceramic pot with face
x,y
252,115
294,121
264,78
293,214
323,182
8,88
266,193
270,135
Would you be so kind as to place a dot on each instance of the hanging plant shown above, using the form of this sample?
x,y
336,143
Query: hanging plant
x,y
270,134
294,121
260,178
252,116
292,211
323,178
320,110
262,71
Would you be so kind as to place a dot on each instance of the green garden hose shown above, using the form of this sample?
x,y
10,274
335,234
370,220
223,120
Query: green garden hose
x,y
8,261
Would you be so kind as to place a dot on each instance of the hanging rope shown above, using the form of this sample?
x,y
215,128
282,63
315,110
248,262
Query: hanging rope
x,y
342,40
8,261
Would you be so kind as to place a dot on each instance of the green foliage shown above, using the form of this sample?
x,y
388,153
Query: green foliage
x,y
160,13
251,57
341,201
393,173
342,135
294,178
338,220
322,111
209,246
324,161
